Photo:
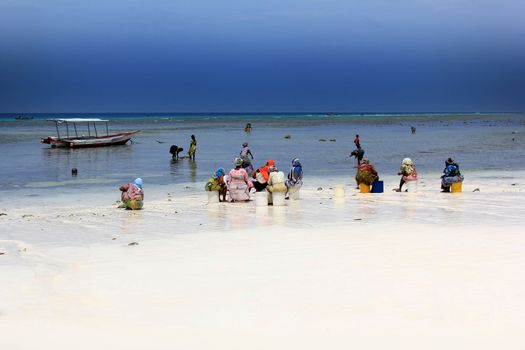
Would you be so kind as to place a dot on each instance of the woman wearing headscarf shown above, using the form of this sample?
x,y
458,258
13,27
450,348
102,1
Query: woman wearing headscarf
x,y
239,183
451,174
276,182
193,148
245,155
408,173
217,183
132,195
261,176
294,180
366,173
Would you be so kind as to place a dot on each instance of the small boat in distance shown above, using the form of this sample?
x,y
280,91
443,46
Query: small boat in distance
x,y
92,139
23,117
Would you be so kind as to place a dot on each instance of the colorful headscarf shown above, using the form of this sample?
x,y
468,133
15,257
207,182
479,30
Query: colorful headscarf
x,y
138,182
219,173
238,162
407,161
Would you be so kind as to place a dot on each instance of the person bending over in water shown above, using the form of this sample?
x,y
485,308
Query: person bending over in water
x,y
245,155
248,127
239,183
358,154
408,173
295,177
366,173
132,195
217,183
261,176
175,150
193,148
451,174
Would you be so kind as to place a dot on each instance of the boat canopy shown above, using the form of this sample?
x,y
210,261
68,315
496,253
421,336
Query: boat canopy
x,y
79,120
85,121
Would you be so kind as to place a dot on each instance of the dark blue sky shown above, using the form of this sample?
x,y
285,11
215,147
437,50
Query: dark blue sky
x,y
261,56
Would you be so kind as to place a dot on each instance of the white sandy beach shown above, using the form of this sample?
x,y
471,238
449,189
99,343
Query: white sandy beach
x,y
392,270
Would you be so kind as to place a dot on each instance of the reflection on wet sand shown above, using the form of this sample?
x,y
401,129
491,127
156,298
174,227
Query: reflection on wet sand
x,y
193,170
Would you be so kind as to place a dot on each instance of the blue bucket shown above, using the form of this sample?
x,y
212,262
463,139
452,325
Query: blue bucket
x,y
377,187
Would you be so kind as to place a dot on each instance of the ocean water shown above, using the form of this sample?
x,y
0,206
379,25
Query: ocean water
x,y
478,142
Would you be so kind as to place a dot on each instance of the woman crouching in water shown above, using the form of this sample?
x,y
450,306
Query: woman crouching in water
x,y
217,183
451,174
132,195
366,173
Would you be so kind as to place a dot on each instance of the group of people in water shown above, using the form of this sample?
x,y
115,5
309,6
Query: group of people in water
x,y
242,178
237,184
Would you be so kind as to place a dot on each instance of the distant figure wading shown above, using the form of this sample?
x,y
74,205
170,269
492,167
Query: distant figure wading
x,y
358,154
193,148
245,155
175,150
357,142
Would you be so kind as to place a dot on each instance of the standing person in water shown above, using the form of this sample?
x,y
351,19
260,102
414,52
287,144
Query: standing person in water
x,y
248,127
193,148
356,142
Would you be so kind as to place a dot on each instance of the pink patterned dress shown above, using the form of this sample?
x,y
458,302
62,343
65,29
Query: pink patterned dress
x,y
239,185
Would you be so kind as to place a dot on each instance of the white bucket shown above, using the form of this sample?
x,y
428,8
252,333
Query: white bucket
x,y
278,199
261,199
339,191
293,194
213,197
411,186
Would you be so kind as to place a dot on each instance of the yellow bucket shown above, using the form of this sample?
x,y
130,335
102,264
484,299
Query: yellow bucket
x,y
134,204
364,188
456,187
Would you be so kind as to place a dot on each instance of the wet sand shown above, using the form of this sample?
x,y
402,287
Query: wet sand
x,y
392,270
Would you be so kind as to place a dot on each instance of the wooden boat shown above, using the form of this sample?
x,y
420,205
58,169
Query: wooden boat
x,y
92,139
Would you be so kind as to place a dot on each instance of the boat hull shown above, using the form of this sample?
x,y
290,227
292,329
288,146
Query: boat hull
x,y
84,142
